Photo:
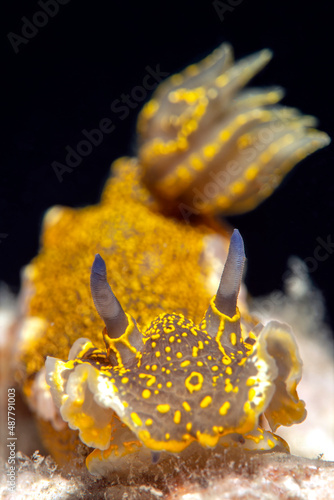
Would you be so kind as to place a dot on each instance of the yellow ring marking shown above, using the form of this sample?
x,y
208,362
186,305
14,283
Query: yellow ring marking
x,y
194,387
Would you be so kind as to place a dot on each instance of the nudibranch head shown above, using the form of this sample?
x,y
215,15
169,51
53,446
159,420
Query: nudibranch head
x,y
209,146
178,383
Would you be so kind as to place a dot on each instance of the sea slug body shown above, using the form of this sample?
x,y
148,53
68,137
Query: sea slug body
x,y
179,365
177,382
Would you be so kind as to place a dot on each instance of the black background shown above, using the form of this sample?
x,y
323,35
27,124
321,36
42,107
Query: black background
x,y
67,75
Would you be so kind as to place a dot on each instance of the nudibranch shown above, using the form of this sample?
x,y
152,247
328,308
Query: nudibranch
x,y
168,380
177,382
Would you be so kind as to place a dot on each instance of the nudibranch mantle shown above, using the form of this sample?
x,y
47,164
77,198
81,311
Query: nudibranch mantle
x,y
178,383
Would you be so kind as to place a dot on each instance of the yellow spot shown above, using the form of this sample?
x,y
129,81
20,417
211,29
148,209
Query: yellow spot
x,y
222,80
223,201
251,394
159,386
212,93
125,380
228,370
237,187
146,393
205,402
200,363
195,352
189,426
250,381
177,417
247,407
163,408
169,384
185,363
167,436
207,440
233,338
158,354
186,406
228,386
215,368
154,344
224,408
241,119
167,348
169,358
192,70
210,150
150,108
154,368
179,355
200,344
176,79
196,163
224,135
265,157
194,382
271,443
135,419
149,421
171,340
151,378
251,172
